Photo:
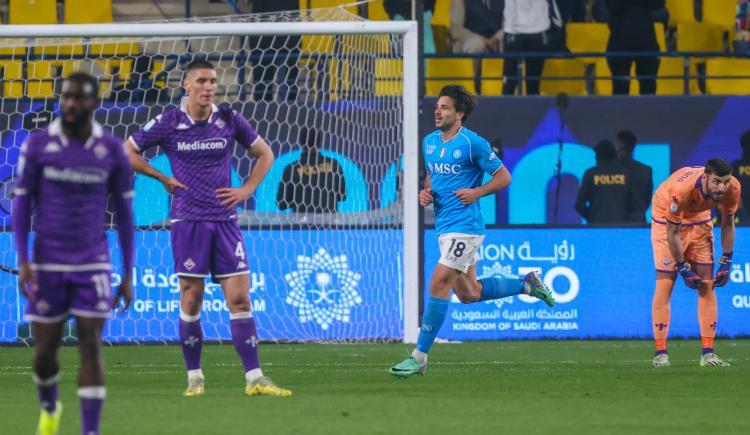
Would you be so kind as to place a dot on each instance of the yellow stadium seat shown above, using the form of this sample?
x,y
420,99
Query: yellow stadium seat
x,y
587,38
32,12
115,68
672,67
699,37
11,72
442,16
603,83
87,11
340,78
158,66
727,67
15,48
41,79
441,24
492,76
58,47
116,47
661,39
721,13
376,11
320,4
680,11
453,71
389,77
554,68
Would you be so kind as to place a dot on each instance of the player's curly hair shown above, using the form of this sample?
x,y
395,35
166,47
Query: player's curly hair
x,y
718,166
83,79
462,99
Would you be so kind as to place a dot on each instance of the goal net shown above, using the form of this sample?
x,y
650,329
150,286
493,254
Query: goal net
x,y
326,233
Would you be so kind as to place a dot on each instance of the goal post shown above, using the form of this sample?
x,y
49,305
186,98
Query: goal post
x,y
356,113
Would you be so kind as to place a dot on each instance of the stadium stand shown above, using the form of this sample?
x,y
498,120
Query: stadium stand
x,y
32,12
441,72
84,12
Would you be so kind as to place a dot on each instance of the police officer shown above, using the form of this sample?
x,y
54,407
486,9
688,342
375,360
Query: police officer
x,y
314,184
741,171
640,178
605,195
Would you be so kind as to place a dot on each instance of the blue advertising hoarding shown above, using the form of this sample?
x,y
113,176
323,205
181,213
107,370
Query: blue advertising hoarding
x,y
305,285
602,280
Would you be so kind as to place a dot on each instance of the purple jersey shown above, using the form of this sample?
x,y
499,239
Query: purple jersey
x,y
69,182
200,154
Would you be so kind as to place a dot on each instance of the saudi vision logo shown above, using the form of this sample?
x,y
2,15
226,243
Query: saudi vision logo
x,y
323,289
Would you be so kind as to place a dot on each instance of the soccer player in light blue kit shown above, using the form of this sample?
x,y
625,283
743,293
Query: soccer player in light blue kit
x,y
456,159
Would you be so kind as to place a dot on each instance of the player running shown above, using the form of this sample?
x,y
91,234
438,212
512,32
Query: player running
x,y
456,159
199,139
66,173
683,242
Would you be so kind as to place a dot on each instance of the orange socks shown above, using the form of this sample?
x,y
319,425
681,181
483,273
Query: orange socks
x,y
707,315
660,313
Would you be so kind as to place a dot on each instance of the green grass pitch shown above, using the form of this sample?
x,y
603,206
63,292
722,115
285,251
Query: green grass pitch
x,y
530,387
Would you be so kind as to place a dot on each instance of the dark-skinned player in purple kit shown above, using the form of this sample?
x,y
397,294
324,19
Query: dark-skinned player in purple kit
x,y
66,173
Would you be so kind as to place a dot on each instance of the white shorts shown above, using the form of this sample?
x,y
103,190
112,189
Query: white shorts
x,y
458,250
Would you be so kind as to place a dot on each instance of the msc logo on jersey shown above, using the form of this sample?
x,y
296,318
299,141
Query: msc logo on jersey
x,y
323,288
444,168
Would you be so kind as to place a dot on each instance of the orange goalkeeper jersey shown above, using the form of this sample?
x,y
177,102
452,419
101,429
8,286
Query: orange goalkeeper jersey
x,y
679,199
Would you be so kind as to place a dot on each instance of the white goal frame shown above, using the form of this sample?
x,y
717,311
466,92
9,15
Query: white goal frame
x,y
411,141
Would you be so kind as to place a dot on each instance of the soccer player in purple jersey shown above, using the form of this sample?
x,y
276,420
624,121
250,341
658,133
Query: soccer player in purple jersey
x,y
66,173
199,139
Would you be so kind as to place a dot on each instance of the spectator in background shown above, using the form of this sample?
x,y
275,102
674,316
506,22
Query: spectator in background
x,y
476,26
313,184
741,171
641,176
631,26
524,24
605,195
399,10
274,59
572,11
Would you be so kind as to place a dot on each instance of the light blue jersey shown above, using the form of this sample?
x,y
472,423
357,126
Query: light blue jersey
x,y
459,163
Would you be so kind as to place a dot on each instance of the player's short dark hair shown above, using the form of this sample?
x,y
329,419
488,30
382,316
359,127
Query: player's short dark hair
x,y
198,64
309,137
605,150
462,99
83,79
627,138
718,166
745,142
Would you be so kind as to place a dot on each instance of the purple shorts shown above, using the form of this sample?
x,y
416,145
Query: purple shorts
x,y
203,247
61,294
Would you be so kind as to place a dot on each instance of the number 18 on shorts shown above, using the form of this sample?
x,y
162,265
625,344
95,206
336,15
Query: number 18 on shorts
x,y
458,250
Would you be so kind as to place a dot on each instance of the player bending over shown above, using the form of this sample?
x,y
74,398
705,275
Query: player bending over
x,y
66,173
683,242
199,139
456,159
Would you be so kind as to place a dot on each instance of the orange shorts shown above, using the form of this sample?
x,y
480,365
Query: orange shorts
x,y
697,240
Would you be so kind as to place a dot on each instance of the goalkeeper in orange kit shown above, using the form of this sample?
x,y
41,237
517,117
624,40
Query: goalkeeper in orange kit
x,y
683,242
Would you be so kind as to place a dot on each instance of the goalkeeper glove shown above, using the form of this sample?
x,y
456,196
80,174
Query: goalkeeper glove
x,y
722,275
691,278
